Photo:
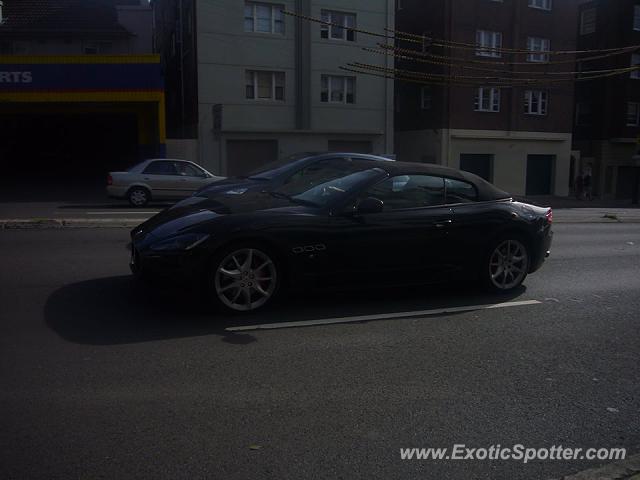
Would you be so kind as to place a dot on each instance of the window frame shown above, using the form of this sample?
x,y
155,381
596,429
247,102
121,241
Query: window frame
x,y
540,5
542,101
583,29
541,55
345,89
274,86
273,20
494,94
328,29
488,50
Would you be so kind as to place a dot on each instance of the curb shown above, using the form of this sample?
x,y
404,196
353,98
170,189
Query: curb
x,y
54,223
628,469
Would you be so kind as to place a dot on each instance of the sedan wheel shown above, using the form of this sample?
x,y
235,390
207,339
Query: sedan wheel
x,y
508,265
138,197
246,279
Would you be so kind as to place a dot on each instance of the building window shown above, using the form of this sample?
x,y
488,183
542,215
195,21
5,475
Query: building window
x,y
263,18
588,21
633,114
342,23
535,102
337,89
487,100
425,98
263,85
635,60
636,17
488,43
535,44
541,4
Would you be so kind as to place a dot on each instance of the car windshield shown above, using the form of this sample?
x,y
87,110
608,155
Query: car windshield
x,y
273,169
327,187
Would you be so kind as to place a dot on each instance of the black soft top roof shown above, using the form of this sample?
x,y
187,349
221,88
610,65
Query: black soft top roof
x,y
486,191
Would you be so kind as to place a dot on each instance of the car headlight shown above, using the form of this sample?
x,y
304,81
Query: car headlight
x,y
181,243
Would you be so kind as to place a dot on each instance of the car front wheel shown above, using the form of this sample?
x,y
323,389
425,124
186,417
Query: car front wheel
x,y
507,264
245,278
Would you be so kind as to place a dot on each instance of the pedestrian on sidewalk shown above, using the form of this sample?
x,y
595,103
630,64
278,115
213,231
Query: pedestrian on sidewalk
x,y
587,184
579,186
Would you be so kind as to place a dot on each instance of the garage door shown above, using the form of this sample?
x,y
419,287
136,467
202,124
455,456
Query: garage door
x,y
478,163
347,146
540,174
244,156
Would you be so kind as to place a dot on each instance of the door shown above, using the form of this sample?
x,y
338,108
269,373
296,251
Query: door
x,y
244,156
473,227
190,178
162,177
406,242
350,146
479,164
540,174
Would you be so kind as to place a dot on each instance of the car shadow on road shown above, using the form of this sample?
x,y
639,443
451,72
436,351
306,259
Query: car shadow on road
x,y
120,310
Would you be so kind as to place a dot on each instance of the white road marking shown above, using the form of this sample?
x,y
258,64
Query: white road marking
x,y
121,213
383,316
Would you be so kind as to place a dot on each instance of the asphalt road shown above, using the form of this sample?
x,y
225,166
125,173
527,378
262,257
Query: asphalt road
x,y
103,378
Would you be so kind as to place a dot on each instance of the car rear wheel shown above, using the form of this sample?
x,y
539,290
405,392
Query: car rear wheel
x,y
138,196
507,264
245,278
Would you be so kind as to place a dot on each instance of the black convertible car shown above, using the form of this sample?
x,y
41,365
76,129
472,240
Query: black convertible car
x,y
361,224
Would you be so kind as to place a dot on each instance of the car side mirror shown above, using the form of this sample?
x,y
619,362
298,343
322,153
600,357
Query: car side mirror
x,y
369,205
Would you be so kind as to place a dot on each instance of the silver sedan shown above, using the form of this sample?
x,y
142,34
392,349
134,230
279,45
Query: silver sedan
x,y
158,179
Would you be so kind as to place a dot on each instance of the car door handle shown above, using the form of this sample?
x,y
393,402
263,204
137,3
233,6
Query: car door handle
x,y
443,223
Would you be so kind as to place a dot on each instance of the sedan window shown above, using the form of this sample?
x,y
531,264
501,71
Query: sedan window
x,y
460,192
162,167
186,169
409,191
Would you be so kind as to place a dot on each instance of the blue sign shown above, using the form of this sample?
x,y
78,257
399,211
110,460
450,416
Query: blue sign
x,y
80,77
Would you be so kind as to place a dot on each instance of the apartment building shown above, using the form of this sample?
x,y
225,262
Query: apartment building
x,y
517,137
247,84
607,111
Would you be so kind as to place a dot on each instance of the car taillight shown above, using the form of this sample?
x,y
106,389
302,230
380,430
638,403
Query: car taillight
x,y
109,180
549,216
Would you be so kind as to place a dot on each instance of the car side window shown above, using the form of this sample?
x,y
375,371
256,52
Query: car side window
x,y
186,169
161,167
460,192
319,172
408,191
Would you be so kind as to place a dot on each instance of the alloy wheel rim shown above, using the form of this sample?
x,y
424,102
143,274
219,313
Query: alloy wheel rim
x,y
138,197
508,264
245,279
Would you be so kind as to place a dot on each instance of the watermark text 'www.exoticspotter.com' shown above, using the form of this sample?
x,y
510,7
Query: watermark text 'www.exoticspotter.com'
x,y
517,452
